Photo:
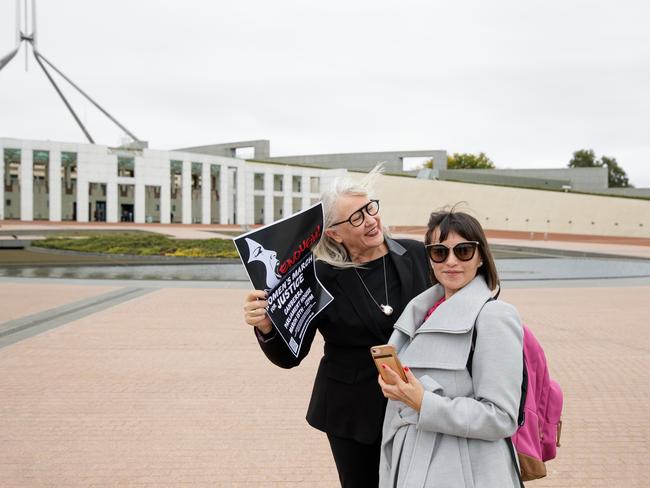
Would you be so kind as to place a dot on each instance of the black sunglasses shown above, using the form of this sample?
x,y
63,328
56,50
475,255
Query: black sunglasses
x,y
358,216
464,251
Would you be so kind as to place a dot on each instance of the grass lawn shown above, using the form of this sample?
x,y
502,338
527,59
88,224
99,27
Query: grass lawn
x,y
141,244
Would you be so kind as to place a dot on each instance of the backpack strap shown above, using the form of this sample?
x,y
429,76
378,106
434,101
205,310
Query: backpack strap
x,y
524,383
513,456
471,350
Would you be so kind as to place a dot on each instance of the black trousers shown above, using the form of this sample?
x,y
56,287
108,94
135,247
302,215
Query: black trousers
x,y
357,463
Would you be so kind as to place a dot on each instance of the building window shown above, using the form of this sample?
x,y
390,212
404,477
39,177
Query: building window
x,y
296,184
125,166
314,184
277,182
215,182
197,169
12,169
258,181
176,179
68,172
41,161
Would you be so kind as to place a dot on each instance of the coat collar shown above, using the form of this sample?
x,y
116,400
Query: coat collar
x,y
455,315
404,265
394,246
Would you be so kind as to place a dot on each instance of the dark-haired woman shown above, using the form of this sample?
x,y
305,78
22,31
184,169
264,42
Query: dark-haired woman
x,y
445,426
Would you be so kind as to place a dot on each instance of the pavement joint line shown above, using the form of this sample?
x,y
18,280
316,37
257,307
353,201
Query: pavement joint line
x,y
16,330
54,313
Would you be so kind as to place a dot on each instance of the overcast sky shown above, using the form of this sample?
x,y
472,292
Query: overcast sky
x,y
526,82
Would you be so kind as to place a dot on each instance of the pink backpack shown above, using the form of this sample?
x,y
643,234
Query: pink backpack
x,y
540,409
540,413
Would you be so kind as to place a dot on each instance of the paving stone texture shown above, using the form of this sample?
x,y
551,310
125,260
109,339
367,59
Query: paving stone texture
x,y
21,299
170,389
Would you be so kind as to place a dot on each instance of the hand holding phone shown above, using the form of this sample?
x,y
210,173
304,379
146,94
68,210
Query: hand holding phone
x,y
385,354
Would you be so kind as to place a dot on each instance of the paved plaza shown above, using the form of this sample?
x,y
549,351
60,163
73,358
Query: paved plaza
x,y
161,384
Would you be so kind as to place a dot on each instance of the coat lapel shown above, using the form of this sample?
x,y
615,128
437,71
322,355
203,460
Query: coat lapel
x,y
458,313
455,315
404,266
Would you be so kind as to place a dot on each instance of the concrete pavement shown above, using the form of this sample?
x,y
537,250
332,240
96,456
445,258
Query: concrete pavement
x,y
169,389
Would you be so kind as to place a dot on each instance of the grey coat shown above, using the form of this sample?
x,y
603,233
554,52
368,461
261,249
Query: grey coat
x,y
457,438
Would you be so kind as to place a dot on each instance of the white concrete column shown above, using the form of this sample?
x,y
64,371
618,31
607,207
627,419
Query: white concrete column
x,y
224,194
166,198
186,192
2,182
139,203
27,183
241,196
112,201
206,213
268,197
287,203
82,195
54,177
306,190
249,179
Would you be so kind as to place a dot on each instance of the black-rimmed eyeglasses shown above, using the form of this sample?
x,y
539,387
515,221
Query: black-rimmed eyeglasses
x,y
464,251
358,216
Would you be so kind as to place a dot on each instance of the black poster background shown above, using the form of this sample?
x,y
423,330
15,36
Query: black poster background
x,y
278,259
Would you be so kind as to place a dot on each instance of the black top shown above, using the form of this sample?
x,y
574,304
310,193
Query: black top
x,y
346,400
372,275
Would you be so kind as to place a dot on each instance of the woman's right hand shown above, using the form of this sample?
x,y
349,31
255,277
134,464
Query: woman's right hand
x,y
255,311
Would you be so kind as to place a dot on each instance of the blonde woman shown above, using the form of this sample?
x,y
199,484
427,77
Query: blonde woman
x,y
372,277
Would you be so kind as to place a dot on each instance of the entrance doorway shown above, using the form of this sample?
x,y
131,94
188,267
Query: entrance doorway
x,y
126,212
96,206
99,214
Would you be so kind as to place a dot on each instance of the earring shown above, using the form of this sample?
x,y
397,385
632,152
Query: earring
x,y
480,264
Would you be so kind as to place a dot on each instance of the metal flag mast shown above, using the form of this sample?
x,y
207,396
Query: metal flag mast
x,y
30,39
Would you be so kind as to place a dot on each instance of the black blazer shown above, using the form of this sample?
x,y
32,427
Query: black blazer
x,y
346,400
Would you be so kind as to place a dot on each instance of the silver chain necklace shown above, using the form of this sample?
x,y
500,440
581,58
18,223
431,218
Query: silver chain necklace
x,y
386,309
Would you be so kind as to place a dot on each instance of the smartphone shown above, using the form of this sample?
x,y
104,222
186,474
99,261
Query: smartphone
x,y
385,354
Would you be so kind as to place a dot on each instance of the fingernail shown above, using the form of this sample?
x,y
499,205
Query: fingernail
x,y
406,368
384,366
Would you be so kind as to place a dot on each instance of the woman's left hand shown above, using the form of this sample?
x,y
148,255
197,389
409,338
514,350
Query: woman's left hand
x,y
410,391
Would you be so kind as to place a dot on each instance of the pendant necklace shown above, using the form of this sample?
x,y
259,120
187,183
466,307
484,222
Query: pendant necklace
x,y
386,309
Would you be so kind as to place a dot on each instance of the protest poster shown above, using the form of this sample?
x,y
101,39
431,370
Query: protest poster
x,y
278,259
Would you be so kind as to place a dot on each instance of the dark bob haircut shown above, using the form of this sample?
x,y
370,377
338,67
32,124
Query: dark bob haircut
x,y
468,228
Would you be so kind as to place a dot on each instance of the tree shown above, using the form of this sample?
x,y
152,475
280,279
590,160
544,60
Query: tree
x,y
465,161
616,176
586,158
